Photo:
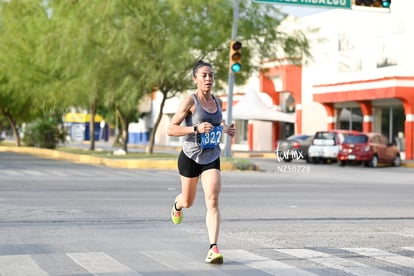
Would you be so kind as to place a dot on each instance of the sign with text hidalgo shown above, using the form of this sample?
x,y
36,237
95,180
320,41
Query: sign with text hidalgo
x,y
336,4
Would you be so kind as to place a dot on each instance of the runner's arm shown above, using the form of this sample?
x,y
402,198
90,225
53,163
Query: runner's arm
x,y
175,128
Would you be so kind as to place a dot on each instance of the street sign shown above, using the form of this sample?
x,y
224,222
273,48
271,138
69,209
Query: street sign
x,y
335,4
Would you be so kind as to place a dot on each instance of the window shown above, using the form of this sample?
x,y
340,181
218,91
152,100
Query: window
x,y
356,139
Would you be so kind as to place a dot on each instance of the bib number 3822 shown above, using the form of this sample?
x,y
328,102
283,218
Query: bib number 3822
x,y
211,139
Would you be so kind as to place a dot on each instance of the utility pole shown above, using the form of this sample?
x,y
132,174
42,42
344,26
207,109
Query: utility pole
x,y
227,149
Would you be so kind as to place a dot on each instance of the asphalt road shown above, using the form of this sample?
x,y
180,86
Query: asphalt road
x,y
58,218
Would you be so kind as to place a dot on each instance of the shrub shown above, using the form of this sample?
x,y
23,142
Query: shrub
x,y
44,133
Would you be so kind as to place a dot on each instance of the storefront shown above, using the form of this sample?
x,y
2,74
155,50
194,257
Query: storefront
x,y
386,106
359,76
383,105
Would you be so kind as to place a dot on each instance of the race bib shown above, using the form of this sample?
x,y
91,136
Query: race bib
x,y
212,139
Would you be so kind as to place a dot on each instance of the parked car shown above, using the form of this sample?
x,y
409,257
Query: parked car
x,y
371,149
325,145
293,147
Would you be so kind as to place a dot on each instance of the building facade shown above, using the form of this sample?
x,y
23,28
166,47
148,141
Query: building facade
x,y
361,75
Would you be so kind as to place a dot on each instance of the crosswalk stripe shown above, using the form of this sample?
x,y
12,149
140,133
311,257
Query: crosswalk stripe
x,y
76,173
182,263
99,262
33,173
264,264
11,173
328,260
20,265
82,173
384,256
58,173
405,233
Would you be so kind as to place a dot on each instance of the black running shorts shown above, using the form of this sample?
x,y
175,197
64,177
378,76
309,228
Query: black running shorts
x,y
189,168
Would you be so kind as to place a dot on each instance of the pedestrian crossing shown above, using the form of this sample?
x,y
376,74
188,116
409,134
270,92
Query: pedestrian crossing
x,y
384,256
342,264
96,173
100,263
282,262
20,265
267,265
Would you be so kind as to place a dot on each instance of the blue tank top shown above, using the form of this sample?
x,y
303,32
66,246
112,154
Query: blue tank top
x,y
192,143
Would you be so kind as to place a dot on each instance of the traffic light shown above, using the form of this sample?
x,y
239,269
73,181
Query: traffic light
x,y
235,56
374,3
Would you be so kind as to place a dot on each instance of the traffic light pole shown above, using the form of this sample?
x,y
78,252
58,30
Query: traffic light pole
x,y
227,149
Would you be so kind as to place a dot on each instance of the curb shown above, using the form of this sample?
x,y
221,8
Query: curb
x,y
144,163
408,164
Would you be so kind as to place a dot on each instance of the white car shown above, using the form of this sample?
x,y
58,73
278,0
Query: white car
x,y
325,145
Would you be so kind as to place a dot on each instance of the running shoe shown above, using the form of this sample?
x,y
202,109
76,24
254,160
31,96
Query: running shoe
x,y
214,256
176,216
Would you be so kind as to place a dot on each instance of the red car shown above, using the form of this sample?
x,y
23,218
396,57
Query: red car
x,y
371,149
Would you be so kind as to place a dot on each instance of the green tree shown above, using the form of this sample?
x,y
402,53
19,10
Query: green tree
x,y
21,75
152,43
99,52
130,80
106,54
123,49
190,30
85,39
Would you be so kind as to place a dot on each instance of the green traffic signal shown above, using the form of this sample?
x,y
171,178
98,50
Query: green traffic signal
x,y
235,56
386,4
236,67
374,3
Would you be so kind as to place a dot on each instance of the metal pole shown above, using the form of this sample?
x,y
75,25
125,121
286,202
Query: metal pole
x,y
227,149
391,129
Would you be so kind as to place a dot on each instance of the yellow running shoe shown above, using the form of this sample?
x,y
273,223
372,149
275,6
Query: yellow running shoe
x,y
214,256
176,216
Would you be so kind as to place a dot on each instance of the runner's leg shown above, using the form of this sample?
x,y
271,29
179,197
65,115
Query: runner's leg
x,y
188,192
211,180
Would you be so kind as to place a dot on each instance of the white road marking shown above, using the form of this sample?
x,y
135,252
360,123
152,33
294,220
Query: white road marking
x,y
184,264
20,265
384,256
338,263
101,263
264,264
